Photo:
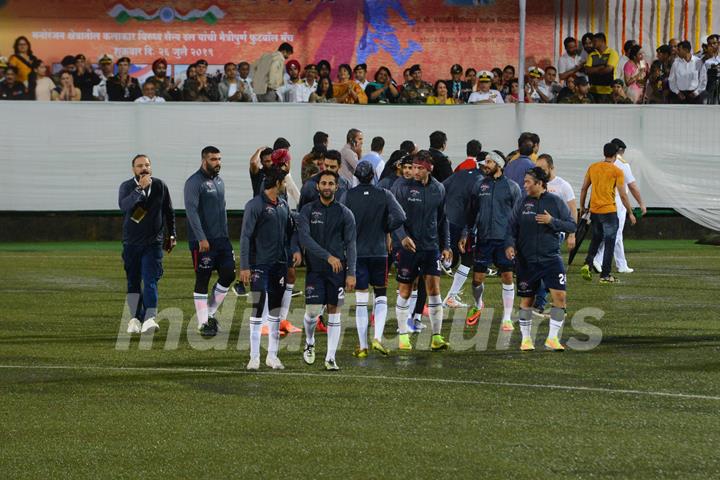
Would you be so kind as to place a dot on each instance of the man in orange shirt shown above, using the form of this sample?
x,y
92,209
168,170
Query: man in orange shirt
x,y
605,178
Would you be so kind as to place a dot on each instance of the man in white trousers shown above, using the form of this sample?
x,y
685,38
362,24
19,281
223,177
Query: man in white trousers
x,y
631,187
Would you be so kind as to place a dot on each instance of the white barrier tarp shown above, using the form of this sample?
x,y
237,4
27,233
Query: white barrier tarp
x,y
61,156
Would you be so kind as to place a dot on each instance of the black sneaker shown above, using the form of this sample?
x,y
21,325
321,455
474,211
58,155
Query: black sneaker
x,y
239,289
207,331
213,323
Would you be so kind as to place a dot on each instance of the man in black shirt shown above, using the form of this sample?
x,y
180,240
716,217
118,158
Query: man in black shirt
x,y
10,88
259,162
84,78
147,207
442,168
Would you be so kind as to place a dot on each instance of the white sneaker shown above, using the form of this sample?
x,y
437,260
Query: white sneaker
x,y
133,326
453,301
626,270
253,364
149,325
598,266
274,363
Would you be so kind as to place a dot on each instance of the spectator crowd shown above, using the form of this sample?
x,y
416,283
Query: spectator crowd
x,y
589,71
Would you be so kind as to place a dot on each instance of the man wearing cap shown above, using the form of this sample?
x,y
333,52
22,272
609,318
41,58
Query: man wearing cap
x,y
164,85
424,230
206,87
484,93
582,93
630,187
377,213
601,67
264,243
619,97
606,180
417,90
536,75
455,86
360,74
267,73
84,77
106,71
122,87
491,202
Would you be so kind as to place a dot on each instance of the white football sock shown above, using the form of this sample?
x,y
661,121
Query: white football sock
x,y
461,275
402,312
273,336
255,327
508,296
525,322
412,301
436,313
310,324
381,309
361,317
478,294
557,317
333,333
201,308
286,301
216,299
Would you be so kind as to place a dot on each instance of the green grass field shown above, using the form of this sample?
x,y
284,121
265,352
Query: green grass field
x,y
643,404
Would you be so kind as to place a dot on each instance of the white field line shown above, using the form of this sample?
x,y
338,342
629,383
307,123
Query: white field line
x,y
370,377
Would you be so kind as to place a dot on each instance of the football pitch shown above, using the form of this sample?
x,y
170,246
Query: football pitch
x,y
77,400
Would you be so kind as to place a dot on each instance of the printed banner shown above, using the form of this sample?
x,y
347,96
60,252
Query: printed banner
x,y
394,33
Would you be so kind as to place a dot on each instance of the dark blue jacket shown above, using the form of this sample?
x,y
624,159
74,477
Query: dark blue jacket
x,y
324,231
515,171
205,207
492,201
376,213
159,212
535,242
309,192
387,182
266,231
424,207
458,189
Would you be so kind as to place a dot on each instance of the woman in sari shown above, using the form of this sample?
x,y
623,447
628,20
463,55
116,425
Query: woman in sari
x,y
23,58
635,72
346,90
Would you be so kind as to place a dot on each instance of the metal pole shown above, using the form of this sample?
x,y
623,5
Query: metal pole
x,y
521,63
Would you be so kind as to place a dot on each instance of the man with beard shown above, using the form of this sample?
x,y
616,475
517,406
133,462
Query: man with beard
x,y
290,91
426,228
376,213
264,242
326,230
491,204
571,62
208,238
165,86
309,191
533,242
148,211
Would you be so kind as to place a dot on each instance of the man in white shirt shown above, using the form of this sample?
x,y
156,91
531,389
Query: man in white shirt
x,y
485,94
374,157
631,187
688,76
290,91
562,189
571,62
246,80
149,95
106,71
360,74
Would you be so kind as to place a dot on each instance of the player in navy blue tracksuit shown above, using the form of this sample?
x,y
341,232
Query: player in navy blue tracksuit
x,y
533,240
426,228
377,213
326,230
